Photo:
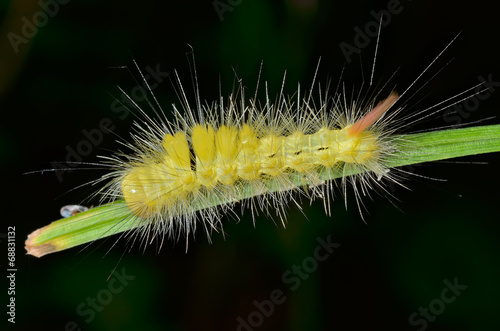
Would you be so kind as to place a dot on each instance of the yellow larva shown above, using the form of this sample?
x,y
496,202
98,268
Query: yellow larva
x,y
233,155
204,157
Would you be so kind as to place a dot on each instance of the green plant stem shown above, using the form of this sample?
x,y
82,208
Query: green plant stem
x,y
113,218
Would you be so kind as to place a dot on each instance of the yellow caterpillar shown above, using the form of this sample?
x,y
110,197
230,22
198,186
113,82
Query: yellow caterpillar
x,y
214,158
221,158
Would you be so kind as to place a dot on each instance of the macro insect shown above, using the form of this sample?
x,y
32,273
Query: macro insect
x,y
71,210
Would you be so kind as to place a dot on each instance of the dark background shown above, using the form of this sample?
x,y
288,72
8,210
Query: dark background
x,y
65,79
